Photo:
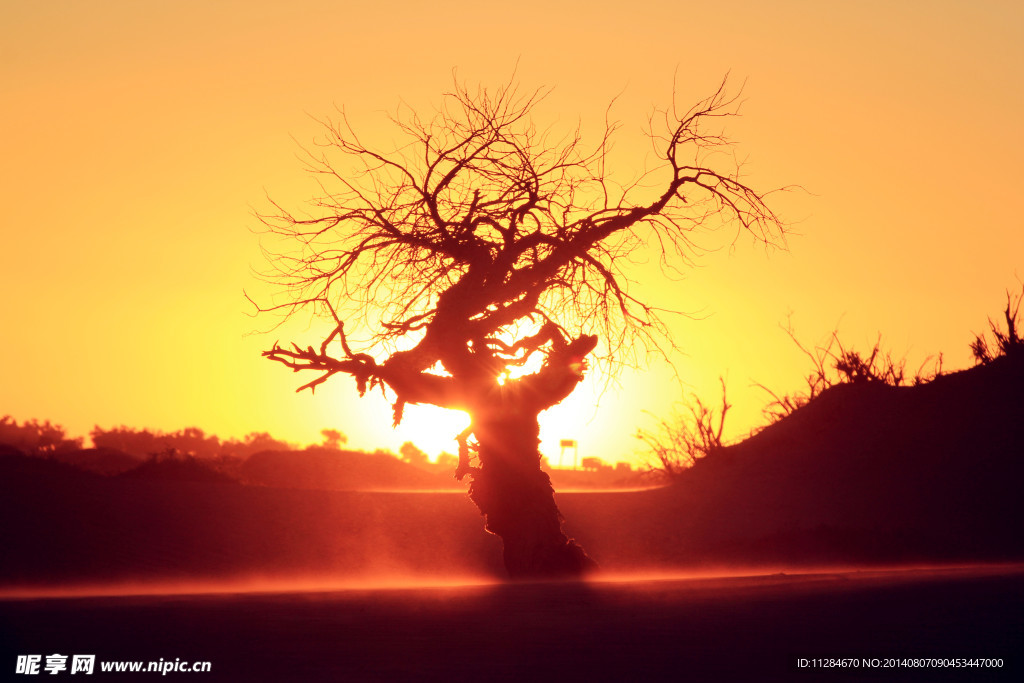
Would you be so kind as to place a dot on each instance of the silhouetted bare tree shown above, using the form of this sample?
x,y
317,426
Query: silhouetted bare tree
x,y
484,259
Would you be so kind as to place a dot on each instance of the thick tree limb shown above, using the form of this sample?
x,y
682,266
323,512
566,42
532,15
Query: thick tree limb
x,y
479,225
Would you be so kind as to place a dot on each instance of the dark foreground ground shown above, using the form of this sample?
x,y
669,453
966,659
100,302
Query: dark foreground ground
x,y
752,628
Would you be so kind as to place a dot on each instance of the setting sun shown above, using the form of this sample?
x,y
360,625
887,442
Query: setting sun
x,y
432,429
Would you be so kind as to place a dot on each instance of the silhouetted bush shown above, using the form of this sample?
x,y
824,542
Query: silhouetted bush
x,y
679,441
1004,343
832,364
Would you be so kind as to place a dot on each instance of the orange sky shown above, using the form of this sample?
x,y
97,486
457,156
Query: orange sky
x,y
139,138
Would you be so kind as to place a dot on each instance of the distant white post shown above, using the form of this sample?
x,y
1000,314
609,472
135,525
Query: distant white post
x,y
566,444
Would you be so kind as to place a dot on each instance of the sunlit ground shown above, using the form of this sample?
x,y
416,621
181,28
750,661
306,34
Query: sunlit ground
x,y
575,490
731,624
718,577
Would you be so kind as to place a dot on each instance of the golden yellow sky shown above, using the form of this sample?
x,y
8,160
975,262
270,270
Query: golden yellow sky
x,y
138,138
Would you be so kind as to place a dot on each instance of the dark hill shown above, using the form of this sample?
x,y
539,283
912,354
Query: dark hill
x,y
938,465
865,473
178,468
63,525
107,461
337,470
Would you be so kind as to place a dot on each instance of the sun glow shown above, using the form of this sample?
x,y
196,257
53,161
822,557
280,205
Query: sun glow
x,y
432,429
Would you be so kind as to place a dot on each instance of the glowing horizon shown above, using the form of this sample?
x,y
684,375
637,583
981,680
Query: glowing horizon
x,y
141,138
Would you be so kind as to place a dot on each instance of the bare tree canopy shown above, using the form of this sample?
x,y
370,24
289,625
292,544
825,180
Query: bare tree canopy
x,y
491,241
485,257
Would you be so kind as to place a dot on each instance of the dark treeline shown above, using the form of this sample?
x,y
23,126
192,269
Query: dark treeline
x,y
33,437
191,454
258,459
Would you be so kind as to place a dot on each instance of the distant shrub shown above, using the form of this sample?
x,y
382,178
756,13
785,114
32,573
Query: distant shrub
x,y
333,439
595,464
256,442
412,454
138,442
36,438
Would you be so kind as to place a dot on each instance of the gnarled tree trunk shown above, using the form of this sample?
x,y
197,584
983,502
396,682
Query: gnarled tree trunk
x,y
517,500
509,487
